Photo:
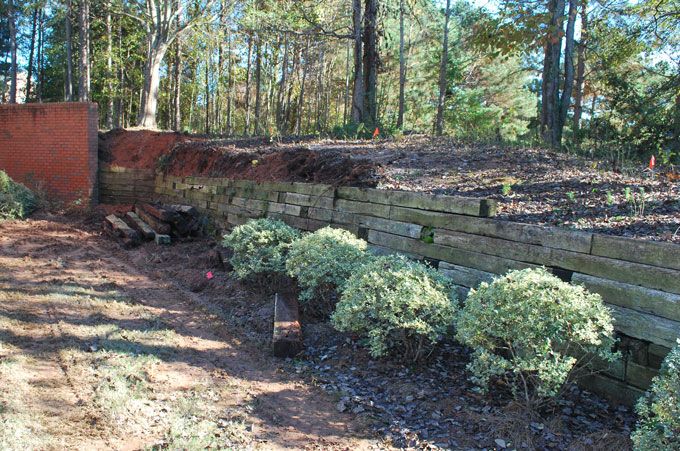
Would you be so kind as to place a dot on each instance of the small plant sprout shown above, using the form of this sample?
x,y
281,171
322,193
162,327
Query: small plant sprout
x,y
507,189
627,194
610,199
571,196
635,201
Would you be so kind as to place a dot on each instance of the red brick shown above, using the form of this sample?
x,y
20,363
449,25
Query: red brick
x,y
53,145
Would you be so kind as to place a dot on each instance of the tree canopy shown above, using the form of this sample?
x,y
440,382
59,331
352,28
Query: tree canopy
x,y
598,76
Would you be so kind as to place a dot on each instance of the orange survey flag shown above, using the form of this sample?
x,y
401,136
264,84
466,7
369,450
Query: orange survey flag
x,y
652,162
376,133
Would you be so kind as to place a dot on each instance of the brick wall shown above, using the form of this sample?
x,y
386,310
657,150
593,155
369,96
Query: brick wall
x,y
52,146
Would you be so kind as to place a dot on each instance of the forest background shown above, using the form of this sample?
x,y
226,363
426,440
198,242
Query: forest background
x,y
598,77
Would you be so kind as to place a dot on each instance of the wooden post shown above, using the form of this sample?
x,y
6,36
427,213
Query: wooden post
x,y
287,339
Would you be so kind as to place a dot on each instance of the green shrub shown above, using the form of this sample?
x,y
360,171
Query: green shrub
x,y
322,262
400,306
526,328
659,410
16,201
260,246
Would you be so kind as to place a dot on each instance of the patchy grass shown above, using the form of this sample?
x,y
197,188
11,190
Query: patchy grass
x,y
123,383
19,429
194,426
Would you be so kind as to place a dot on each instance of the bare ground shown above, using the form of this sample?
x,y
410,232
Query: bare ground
x,y
101,348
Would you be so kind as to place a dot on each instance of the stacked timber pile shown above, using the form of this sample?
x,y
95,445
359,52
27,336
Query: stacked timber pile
x,y
154,222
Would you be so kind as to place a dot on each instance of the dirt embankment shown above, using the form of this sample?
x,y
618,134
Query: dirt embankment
x,y
531,185
250,159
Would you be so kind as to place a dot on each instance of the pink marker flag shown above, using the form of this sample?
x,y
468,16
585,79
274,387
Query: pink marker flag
x,y
209,275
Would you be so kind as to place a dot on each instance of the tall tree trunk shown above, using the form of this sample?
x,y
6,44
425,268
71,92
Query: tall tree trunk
x,y
109,67
402,67
580,73
269,74
551,72
40,79
193,98
217,104
676,117
280,107
319,91
565,99
13,52
301,97
149,99
297,57
246,129
371,62
120,107
359,89
177,86
443,64
84,59
230,86
29,77
68,91
207,95
345,111
258,84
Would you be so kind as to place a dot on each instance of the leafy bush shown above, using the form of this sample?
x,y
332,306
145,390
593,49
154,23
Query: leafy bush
x,y
16,201
322,262
659,410
260,246
398,305
526,328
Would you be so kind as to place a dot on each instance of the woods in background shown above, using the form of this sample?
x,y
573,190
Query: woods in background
x,y
600,76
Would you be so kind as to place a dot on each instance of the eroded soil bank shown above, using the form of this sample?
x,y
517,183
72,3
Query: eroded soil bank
x,y
531,185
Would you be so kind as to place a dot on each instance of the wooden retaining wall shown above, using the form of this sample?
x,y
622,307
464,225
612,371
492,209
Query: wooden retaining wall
x,y
125,186
640,280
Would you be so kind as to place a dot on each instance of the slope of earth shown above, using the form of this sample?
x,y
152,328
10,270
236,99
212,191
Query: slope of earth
x,y
530,185
259,159
102,348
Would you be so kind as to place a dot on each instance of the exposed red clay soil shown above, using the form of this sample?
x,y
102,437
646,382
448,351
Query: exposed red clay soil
x,y
138,149
256,159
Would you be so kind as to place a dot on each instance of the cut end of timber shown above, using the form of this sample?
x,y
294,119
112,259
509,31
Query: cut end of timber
x,y
118,228
162,239
287,339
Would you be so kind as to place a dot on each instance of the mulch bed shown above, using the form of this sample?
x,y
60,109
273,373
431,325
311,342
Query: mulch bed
x,y
433,405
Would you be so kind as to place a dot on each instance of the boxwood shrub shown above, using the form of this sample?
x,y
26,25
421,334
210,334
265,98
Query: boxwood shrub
x,y
398,306
322,262
659,410
526,328
260,247
16,201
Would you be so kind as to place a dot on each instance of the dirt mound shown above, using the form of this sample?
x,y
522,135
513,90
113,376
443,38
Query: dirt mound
x,y
256,159
136,149
297,165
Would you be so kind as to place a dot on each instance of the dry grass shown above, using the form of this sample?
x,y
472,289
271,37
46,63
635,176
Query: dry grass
x,y
20,429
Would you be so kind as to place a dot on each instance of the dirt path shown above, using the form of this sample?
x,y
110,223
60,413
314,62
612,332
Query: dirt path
x,y
99,349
